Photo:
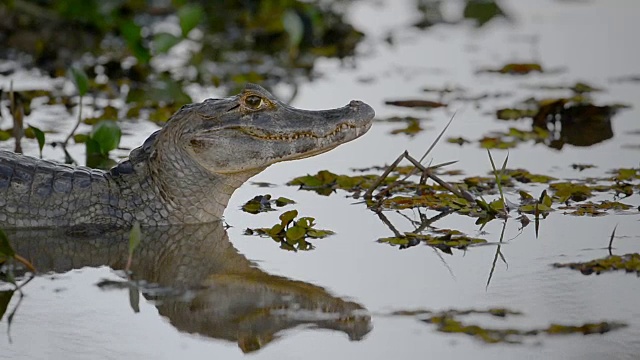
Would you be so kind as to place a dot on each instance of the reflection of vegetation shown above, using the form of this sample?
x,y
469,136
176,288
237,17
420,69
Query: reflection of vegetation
x,y
448,322
290,234
556,121
452,239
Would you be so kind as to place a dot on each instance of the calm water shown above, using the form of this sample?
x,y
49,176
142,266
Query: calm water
x,y
65,315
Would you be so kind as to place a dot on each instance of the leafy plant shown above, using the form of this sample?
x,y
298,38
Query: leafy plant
x,y
292,235
104,138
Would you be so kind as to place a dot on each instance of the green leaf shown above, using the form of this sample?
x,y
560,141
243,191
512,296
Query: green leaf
x,y
107,135
276,230
546,199
282,201
39,134
189,17
163,42
305,222
134,237
295,233
80,138
80,79
287,217
318,234
131,32
4,135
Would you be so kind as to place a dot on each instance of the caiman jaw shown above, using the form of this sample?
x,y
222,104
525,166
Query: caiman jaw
x,y
261,134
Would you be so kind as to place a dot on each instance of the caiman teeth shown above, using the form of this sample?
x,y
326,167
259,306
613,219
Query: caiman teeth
x,y
301,135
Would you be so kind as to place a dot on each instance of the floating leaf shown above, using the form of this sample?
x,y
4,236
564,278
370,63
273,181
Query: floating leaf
x,y
629,263
319,234
275,230
452,239
282,201
459,140
295,233
515,114
517,69
291,234
412,128
416,103
288,217
565,191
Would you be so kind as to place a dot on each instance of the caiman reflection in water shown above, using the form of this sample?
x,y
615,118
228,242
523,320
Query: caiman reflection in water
x,y
215,291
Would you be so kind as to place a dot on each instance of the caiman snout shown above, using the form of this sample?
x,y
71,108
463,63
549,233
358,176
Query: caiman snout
x,y
366,112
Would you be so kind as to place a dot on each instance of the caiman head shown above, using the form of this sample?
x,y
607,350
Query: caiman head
x,y
207,150
253,130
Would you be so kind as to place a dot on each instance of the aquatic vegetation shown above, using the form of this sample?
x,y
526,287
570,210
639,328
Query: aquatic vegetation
x,y
326,182
413,127
416,103
516,69
405,193
592,209
290,233
264,203
452,239
449,322
629,263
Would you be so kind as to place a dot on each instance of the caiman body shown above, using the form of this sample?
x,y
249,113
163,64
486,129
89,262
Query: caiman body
x,y
184,173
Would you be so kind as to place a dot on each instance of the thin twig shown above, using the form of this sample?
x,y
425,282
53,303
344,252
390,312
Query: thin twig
x,y
434,177
613,235
390,168
438,138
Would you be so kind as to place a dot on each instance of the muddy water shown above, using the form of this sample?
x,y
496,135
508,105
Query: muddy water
x,y
65,315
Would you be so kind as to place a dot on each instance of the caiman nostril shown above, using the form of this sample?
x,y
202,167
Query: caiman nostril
x,y
355,103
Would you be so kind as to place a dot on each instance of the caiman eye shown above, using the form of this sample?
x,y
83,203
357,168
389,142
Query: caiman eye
x,y
253,101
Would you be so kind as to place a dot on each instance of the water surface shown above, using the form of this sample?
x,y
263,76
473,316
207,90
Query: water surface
x,y
65,314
